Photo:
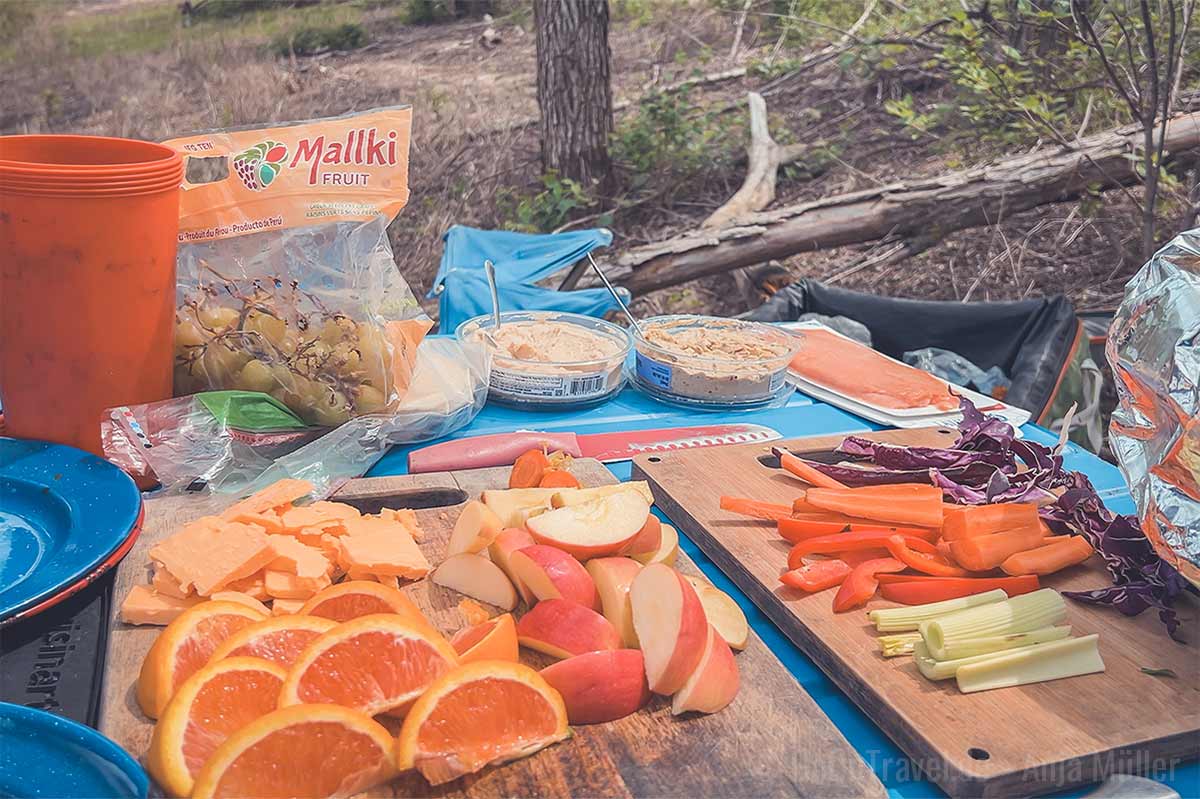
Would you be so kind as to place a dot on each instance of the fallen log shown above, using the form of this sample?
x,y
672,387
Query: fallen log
x,y
927,208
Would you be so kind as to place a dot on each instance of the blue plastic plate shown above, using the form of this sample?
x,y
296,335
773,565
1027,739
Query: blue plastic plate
x,y
43,755
63,512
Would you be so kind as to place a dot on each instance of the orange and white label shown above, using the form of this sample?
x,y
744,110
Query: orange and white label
x,y
330,170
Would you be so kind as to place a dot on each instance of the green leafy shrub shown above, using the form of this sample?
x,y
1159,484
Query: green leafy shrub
x,y
310,40
544,210
669,138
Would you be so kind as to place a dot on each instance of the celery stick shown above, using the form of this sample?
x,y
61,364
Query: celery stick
x,y
934,669
1020,614
900,644
1053,661
890,620
955,648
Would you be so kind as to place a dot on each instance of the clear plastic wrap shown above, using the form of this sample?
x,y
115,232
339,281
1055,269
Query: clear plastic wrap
x,y
236,442
1154,350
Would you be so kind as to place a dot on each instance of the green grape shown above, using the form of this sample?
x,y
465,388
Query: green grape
x,y
346,358
330,407
368,399
290,342
188,334
217,317
376,358
337,329
256,376
274,330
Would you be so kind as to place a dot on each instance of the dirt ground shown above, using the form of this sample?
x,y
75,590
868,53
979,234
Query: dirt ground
x,y
473,144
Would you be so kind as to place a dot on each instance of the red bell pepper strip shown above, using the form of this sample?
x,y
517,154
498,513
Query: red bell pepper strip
x,y
901,549
816,574
849,542
801,529
860,584
755,509
804,470
920,591
857,556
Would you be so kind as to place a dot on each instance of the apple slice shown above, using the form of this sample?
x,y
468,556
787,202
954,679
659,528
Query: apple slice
x,y
477,526
613,576
575,496
722,612
647,540
592,529
478,578
668,548
600,686
550,573
509,541
513,505
561,628
670,625
714,683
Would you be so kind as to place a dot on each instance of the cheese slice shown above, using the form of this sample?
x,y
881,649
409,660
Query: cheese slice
x,y
382,547
273,496
322,514
297,558
251,586
285,607
144,606
269,520
407,518
209,559
284,585
163,582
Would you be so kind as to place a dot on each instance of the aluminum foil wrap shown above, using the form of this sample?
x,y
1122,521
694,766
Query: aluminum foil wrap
x,y
1154,350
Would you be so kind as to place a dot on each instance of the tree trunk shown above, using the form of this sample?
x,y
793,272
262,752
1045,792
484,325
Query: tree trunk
x,y
573,89
931,207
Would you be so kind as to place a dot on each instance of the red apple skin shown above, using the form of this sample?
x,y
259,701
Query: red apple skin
x,y
577,549
612,577
647,539
510,540
566,575
714,683
688,635
600,686
562,628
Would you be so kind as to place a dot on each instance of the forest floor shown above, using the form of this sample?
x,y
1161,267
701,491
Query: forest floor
x,y
131,68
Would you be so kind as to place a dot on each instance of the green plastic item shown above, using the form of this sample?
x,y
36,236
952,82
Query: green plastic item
x,y
249,410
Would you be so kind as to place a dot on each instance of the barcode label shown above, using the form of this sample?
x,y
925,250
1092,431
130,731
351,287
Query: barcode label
x,y
519,385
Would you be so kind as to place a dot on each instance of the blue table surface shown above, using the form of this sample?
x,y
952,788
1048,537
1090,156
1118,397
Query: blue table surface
x,y
801,416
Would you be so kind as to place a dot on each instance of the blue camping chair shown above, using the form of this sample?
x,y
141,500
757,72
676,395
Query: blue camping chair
x,y
520,259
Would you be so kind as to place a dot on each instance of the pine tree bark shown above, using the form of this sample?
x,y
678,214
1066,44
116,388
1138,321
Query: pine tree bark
x,y
574,90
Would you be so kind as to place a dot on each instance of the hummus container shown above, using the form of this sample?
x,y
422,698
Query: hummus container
x,y
714,363
550,360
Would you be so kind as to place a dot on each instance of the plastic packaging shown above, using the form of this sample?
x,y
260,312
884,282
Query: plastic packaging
x,y
954,368
287,283
707,362
236,442
534,360
1154,350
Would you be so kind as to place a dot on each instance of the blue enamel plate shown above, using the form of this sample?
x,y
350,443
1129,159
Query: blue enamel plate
x,y
63,514
44,755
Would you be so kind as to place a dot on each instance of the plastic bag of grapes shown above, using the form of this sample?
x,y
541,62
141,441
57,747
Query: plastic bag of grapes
x,y
286,280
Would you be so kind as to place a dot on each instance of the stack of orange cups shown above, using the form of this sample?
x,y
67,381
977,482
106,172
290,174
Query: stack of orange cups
x,y
88,230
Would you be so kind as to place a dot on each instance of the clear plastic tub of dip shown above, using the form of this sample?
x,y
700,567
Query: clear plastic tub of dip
x,y
714,363
550,360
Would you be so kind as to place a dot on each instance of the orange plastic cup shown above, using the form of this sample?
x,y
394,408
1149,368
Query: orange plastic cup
x,y
87,281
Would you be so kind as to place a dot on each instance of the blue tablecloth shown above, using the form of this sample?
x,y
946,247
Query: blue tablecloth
x,y
802,416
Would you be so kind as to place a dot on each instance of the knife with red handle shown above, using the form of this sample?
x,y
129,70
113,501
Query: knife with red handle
x,y
501,449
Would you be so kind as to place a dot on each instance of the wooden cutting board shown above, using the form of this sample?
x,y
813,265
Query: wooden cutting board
x,y
772,741
1014,741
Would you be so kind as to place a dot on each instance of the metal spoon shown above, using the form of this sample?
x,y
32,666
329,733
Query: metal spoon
x,y
489,271
612,290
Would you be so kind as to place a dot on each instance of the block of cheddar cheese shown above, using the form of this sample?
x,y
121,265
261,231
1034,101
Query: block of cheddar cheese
x,y
381,546
274,495
284,607
284,585
143,605
297,558
209,559
268,520
163,582
331,516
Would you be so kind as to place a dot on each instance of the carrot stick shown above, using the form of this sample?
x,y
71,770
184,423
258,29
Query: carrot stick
x,y
805,471
1050,558
901,549
909,590
558,478
753,508
967,521
528,469
983,552
798,529
907,504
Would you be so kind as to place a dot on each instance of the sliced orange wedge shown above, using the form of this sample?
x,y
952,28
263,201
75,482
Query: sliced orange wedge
x,y
354,598
373,664
494,639
211,705
307,750
480,714
184,647
279,639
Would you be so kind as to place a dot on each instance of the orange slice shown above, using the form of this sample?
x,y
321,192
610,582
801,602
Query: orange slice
x,y
211,705
279,639
483,713
307,750
494,639
355,598
184,647
373,664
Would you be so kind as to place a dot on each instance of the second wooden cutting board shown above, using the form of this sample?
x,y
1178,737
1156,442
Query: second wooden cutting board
x,y
772,741
1014,741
